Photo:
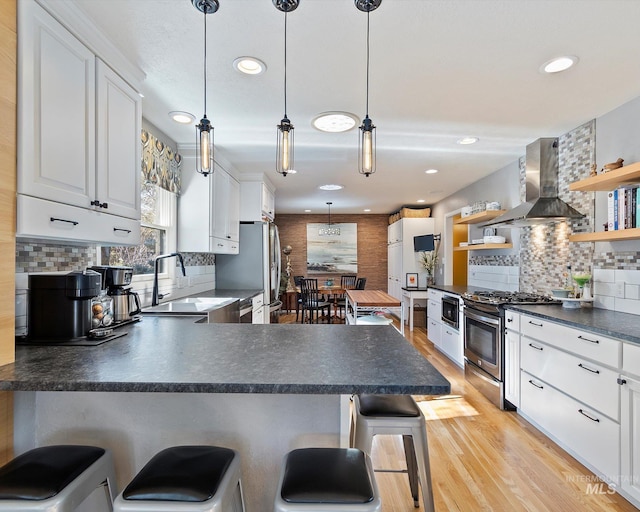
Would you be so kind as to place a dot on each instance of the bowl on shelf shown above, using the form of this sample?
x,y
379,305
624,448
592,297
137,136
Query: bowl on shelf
x,y
560,293
494,239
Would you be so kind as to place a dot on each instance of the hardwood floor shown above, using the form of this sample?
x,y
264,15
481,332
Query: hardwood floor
x,y
484,459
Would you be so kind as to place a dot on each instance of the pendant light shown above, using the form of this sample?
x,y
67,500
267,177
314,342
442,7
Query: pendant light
x,y
204,130
284,147
367,142
329,230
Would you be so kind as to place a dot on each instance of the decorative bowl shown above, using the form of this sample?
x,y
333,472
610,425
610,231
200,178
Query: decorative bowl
x,y
561,293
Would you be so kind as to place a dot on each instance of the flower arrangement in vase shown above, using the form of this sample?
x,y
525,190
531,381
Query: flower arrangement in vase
x,y
429,261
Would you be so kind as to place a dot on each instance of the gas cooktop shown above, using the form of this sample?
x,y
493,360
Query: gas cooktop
x,y
499,297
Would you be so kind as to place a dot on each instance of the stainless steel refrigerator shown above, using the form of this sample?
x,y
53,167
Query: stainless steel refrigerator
x,y
257,266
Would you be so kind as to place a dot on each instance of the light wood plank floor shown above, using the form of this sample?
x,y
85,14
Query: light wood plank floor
x,y
484,459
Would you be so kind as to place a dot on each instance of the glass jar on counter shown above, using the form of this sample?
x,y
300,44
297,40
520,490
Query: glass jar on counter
x,y
101,311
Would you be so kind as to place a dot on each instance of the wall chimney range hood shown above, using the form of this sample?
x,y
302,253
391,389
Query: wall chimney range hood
x,y
542,204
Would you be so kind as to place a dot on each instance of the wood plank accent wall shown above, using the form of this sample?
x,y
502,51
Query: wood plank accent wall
x,y
8,98
372,244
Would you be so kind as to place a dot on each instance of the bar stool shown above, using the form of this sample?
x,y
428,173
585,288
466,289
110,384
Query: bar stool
x,y
395,415
55,478
327,480
186,479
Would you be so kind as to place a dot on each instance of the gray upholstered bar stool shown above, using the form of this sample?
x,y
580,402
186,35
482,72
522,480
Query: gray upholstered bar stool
x,y
327,480
186,479
56,478
395,415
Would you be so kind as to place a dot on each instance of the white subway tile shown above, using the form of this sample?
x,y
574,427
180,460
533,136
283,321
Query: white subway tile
x,y
628,276
604,289
603,302
604,275
632,291
627,306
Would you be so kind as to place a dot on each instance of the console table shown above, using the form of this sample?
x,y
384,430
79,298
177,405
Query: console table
x,y
408,296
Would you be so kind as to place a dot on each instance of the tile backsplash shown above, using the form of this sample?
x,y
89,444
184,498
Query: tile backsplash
x,y
617,290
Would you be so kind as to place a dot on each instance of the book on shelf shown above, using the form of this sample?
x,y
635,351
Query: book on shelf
x,y
623,208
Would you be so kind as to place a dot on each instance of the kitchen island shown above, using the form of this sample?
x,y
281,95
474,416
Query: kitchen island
x,y
261,389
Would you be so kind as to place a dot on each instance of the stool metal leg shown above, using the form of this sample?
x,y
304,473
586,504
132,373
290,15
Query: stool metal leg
x,y
412,467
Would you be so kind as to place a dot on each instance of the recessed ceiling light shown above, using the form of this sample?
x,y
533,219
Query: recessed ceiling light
x,y
292,171
559,64
420,201
182,117
467,140
367,209
307,211
334,122
249,65
431,171
330,186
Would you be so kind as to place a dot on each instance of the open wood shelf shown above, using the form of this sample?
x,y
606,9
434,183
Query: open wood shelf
x,y
476,247
606,236
611,180
477,218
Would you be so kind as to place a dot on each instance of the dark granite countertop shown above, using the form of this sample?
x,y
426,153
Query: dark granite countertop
x,y
623,326
174,354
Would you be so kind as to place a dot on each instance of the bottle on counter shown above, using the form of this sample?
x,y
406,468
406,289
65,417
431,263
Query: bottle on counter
x,y
569,283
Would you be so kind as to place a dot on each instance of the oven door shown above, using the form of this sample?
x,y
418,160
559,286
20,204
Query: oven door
x,y
483,341
450,308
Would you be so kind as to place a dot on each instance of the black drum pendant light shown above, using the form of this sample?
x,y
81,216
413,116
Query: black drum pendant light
x,y
367,142
284,148
204,130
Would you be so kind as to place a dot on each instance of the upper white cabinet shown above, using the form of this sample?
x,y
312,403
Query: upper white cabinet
x,y
257,202
401,257
208,213
118,151
79,134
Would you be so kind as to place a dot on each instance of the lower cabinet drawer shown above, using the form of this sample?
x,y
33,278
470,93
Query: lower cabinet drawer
x,y
580,378
223,246
591,436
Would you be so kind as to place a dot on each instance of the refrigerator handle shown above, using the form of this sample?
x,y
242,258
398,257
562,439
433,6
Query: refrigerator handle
x,y
278,261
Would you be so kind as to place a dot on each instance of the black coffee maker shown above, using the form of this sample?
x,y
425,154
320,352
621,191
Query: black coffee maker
x,y
116,281
60,304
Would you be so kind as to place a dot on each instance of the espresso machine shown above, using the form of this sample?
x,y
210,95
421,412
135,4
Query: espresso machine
x,y
116,281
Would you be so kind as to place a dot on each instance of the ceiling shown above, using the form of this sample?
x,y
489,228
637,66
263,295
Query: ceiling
x,y
440,70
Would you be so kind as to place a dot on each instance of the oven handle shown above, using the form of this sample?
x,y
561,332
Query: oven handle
x,y
469,313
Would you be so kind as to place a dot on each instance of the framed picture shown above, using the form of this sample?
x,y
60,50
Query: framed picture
x,y
412,280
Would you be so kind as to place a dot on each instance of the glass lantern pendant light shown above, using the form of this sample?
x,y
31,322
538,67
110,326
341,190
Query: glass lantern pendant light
x,y
204,130
367,142
284,148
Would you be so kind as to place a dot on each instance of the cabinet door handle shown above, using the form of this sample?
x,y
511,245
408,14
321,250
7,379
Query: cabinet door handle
x,y
621,381
590,417
587,368
537,348
509,320
99,204
56,219
127,231
587,339
536,385
533,323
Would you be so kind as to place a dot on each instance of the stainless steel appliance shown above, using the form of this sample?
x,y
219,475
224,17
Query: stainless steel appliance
x,y
256,267
60,305
451,310
115,280
484,339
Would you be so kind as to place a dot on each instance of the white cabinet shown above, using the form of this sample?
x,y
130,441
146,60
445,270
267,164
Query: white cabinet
x,y
257,201
569,389
401,257
118,149
452,344
512,358
434,317
630,436
208,213
79,132
257,313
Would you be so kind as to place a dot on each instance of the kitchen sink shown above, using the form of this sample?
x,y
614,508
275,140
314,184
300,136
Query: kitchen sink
x,y
192,306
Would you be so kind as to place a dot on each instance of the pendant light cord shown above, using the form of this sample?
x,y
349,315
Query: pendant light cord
x,y
205,60
285,64
367,107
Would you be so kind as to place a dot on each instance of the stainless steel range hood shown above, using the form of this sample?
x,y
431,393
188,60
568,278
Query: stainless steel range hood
x,y
542,203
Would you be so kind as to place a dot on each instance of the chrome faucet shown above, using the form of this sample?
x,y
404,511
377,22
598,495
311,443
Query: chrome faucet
x,y
156,296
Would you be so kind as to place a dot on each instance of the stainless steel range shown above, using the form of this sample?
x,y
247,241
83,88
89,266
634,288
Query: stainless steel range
x,y
484,339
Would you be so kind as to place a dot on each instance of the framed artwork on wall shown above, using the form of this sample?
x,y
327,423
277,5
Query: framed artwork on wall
x,y
412,280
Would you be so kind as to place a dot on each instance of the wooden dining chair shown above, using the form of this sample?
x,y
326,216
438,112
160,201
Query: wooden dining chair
x,y
297,281
360,283
312,303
